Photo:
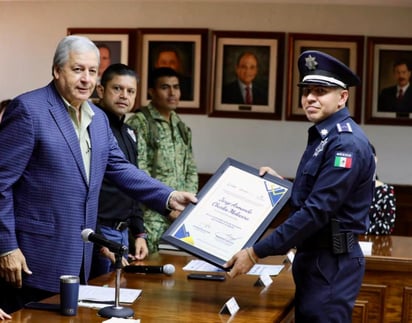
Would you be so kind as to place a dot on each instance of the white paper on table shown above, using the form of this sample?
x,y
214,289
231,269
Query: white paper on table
x,y
200,265
270,270
366,247
107,294
258,269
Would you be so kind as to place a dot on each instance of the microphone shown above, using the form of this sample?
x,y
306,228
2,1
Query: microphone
x,y
166,269
88,235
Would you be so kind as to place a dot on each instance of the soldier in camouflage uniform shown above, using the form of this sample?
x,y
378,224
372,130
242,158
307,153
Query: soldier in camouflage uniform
x,y
164,146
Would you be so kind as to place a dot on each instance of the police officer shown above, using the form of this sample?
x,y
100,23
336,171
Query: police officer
x,y
120,218
330,199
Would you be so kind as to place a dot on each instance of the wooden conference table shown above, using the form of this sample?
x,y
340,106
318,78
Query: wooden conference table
x,y
176,299
386,293
385,296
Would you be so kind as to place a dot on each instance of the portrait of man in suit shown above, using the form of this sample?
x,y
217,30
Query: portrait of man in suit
x,y
175,55
245,88
110,52
398,97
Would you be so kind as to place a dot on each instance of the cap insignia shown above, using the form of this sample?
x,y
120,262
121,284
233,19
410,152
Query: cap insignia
x,y
311,62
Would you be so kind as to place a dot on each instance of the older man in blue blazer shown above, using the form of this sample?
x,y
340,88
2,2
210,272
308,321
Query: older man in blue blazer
x,y
56,147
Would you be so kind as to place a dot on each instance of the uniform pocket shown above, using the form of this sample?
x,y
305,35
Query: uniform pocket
x,y
309,174
328,266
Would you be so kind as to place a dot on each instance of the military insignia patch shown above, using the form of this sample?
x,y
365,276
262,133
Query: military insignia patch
x,y
344,127
343,160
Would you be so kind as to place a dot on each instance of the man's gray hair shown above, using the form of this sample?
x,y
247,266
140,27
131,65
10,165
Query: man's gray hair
x,y
72,43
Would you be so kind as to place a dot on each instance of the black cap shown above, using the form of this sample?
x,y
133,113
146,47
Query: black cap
x,y
318,68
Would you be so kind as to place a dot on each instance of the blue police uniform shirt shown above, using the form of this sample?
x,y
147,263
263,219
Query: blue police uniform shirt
x,y
335,178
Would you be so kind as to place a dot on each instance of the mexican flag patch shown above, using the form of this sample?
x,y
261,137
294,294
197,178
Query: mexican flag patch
x,y
343,160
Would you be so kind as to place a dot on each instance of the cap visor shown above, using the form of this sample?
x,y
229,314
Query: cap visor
x,y
317,82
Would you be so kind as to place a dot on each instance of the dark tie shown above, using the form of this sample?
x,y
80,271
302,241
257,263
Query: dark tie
x,y
400,95
248,97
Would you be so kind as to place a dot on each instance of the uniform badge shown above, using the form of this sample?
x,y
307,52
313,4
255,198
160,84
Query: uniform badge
x,y
311,63
324,132
343,160
320,147
131,134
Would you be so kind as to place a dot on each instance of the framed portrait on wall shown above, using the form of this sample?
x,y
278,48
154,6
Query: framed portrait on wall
x,y
119,42
116,45
348,49
247,72
183,50
388,95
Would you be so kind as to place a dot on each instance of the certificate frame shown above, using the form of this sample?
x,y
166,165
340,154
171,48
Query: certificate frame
x,y
236,205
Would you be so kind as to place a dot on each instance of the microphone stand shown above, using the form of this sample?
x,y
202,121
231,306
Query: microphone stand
x,y
117,310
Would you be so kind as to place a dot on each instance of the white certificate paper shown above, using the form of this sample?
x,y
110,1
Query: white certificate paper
x,y
230,213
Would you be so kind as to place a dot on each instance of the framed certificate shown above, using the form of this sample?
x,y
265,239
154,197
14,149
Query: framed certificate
x,y
235,208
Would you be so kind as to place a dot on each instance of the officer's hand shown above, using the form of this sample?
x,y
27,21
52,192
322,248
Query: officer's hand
x,y
174,214
179,200
241,262
266,169
12,266
141,249
4,315
105,252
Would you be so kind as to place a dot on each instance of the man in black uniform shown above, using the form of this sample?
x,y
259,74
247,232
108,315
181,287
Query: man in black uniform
x,y
330,200
118,213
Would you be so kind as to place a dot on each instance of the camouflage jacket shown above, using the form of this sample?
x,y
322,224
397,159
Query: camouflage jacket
x,y
175,165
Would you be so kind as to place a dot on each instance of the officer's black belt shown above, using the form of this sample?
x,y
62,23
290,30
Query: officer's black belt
x,y
114,224
338,243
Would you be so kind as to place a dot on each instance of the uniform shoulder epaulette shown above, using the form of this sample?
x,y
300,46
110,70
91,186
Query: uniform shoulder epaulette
x,y
344,127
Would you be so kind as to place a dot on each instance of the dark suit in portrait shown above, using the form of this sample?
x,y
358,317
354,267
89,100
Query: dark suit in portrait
x,y
186,88
232,94
389,102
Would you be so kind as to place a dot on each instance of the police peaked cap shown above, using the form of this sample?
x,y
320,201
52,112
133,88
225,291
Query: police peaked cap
x,y
318,68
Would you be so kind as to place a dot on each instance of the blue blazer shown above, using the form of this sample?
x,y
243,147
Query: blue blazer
x,y
45,199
